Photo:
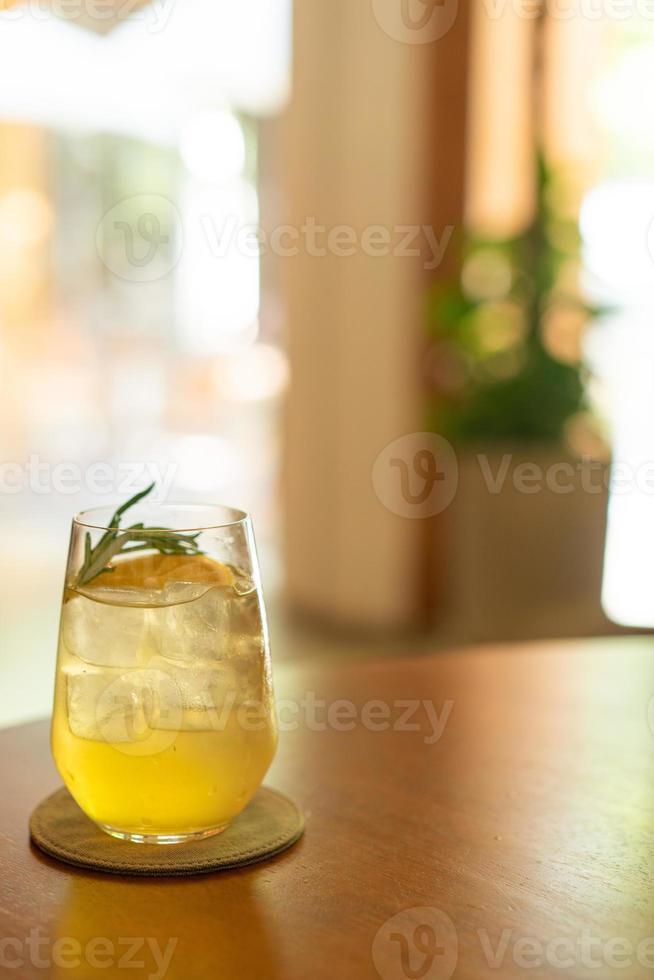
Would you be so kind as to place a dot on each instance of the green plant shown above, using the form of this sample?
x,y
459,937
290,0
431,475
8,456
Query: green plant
x,y
506,339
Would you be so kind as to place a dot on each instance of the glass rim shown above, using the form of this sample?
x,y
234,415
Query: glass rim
x,y
85,517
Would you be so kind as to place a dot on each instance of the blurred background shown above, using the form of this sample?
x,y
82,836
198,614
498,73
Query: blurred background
x,y
380,273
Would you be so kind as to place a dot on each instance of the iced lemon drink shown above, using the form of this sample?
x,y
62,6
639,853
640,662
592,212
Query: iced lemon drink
x,y
163,724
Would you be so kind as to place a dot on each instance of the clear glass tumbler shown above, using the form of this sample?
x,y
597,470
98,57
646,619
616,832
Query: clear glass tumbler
x,y
163,723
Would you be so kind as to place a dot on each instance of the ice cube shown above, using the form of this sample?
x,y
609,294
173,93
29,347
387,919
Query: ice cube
x,y
209,694
174,593
249,634
103,635
105,706
120,708
243,583
195,631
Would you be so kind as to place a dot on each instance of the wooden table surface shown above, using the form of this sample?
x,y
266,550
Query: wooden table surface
x,y
518,843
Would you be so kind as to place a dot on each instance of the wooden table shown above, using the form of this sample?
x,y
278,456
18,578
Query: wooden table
x,y
522,838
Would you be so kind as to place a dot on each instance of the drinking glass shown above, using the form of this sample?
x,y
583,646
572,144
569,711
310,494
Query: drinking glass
x,y
163,724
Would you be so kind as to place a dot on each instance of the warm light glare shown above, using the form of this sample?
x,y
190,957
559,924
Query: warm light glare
x,y
152,73
616,226
260,373
213,146
217,279
617,102
26,218
204,463
618,239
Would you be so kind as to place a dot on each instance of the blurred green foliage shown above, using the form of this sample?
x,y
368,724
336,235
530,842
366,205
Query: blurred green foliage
x,y
506,356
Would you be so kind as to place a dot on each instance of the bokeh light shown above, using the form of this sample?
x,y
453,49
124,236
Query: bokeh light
x,y
212,145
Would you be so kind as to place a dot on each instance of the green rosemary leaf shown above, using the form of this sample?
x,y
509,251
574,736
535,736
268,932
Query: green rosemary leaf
x,y
116,541
110,535
115,520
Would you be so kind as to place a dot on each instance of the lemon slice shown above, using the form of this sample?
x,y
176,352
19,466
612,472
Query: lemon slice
x,y
154,572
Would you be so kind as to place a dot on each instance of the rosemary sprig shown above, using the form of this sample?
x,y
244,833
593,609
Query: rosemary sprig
x,y
124,541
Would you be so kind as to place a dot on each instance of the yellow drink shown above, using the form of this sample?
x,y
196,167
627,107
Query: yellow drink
x,y
201,782
163,724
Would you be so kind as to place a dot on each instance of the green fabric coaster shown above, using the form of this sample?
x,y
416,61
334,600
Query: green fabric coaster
x,y
267,826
